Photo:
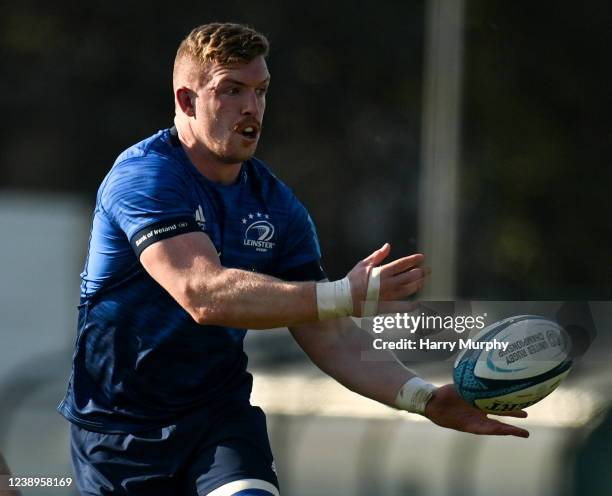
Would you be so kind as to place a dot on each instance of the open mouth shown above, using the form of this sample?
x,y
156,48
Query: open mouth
x,y
249,131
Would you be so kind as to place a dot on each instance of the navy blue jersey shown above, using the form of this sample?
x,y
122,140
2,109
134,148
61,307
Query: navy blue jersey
x,y
141,361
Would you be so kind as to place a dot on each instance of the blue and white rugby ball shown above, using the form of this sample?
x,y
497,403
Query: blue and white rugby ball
x,y
527,359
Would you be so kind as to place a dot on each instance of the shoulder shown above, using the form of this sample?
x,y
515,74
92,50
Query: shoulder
x,y
145,166
156,145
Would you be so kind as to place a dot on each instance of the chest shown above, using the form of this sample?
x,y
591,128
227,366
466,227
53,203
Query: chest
x,y
247,231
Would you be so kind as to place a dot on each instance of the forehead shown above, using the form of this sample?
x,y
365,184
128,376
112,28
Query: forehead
x,y
252,73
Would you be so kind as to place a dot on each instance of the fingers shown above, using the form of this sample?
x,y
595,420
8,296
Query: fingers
x,y
404,284
410,276
402,264
397,292
496,428
516,413
378,256
448,409
399,278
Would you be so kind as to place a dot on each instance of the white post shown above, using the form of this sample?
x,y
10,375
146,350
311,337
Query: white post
x,y
440,148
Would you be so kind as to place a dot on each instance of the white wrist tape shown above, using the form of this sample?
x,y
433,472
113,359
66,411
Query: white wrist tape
x,y
414,395
370,305
334,299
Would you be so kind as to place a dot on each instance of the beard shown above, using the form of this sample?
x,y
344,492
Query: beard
x,y
232,155
233,158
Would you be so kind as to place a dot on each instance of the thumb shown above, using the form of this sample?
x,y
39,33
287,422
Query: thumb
x,y
378,256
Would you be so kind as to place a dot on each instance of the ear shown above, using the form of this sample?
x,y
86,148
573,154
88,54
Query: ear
x,y
185,99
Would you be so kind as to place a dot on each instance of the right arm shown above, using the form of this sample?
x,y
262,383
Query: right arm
x,y
184,261
187,266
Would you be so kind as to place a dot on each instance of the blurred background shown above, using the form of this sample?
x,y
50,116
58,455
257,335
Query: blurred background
x,y
475,131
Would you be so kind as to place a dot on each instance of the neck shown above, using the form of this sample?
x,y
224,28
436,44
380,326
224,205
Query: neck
x,y
206,162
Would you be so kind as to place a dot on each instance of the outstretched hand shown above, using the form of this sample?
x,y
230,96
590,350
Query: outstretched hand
x,y
398,279
447,409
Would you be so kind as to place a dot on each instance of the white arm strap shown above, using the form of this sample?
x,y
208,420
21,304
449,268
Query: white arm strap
x,y
370,306
414,395
334,299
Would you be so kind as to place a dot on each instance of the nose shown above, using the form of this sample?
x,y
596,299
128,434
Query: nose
x,y
251,104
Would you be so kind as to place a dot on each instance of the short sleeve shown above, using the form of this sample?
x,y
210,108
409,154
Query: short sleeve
x,y
149,201
301,253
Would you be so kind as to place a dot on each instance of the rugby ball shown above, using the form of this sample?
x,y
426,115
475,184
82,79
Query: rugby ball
x,y
513,363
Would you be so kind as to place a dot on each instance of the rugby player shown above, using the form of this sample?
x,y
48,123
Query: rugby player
x,y
194,241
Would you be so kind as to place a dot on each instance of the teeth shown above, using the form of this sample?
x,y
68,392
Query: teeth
x,y
249,129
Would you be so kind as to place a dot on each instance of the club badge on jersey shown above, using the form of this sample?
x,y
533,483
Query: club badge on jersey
x,y
259,232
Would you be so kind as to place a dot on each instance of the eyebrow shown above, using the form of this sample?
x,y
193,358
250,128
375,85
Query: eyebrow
x,y
240,83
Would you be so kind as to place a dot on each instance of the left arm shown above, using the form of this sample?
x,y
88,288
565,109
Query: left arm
x,y
335,347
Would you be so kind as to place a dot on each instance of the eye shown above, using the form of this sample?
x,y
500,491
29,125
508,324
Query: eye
x,y
261,91
233,90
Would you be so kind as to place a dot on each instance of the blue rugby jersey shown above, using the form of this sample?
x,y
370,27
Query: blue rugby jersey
x,y
141,361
